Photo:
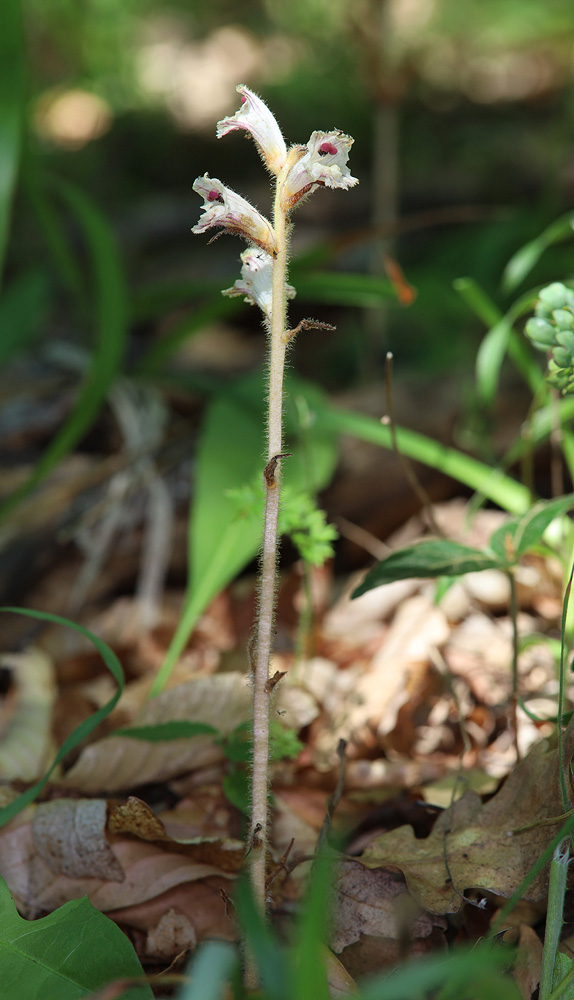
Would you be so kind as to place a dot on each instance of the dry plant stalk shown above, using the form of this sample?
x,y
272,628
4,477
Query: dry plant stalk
x,y
297,172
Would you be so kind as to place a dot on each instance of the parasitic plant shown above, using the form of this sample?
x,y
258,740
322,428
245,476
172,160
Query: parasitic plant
x,y
297,171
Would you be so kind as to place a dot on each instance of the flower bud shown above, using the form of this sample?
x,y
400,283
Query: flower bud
x,y
554,296
223,207
322,162
255,117
542,334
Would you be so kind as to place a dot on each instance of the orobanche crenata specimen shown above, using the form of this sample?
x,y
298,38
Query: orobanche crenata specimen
x,y
297,171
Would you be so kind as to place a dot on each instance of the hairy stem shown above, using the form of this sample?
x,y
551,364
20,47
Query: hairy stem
x,y
267,588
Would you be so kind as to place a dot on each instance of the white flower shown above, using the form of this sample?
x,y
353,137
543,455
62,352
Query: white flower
x,y
256,280
223,207
255,117
322,162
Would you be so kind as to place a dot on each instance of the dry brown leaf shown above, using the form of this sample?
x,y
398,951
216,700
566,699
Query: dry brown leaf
x,y
149,869
173,934
25,743
70,836
477,841
528,963
115,763
371,901
340,982
135,817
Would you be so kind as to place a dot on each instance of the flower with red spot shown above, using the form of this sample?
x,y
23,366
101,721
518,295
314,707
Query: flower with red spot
x,y
255,117
322,162
224,208
256,281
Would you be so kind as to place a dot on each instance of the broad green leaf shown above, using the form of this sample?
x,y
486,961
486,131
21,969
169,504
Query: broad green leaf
x,y
212,966
110,321
69,954
523,261
432,558
519,534
223,537
490,483
177,729
85,728
11,111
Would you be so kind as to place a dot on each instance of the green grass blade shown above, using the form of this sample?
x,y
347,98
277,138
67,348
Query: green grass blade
x,y
86,727
11,111
490,483
211,968
501,339
110,321
523,261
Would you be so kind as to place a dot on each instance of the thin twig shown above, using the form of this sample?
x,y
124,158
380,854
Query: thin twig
x,y
412,478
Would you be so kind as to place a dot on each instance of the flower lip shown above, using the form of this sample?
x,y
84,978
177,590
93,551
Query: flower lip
x,y
225,208
255,117
322,162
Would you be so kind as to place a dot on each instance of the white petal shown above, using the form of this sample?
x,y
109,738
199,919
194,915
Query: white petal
x,y
227,209
255,117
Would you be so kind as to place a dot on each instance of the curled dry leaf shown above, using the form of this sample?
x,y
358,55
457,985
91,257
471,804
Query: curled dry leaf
x,y
150,870
135,817
478,842
173,934
70,836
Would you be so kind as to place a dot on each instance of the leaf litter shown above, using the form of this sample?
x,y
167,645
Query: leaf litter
x,y
435,814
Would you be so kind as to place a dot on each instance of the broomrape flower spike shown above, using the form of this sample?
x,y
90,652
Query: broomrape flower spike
x,y
298,172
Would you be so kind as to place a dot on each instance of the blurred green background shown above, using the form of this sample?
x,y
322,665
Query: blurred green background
x,y
461,111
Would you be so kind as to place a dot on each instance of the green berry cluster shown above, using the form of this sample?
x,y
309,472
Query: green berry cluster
x,y
551,329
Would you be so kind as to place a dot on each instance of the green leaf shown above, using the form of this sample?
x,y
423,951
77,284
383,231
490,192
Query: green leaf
x,y
520,533
500,340
85,728
175,730
270,958
212,966
11,111
23,308
523,261
65,956
110,297
432,558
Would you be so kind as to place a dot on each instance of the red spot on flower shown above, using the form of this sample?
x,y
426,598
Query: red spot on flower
x,y
328,148
213,195
243,99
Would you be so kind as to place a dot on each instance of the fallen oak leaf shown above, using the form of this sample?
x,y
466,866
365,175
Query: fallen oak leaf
x,y
473,846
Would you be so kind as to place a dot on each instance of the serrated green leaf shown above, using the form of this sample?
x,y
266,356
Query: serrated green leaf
x,y
175,730
427,559
519,534
69,954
